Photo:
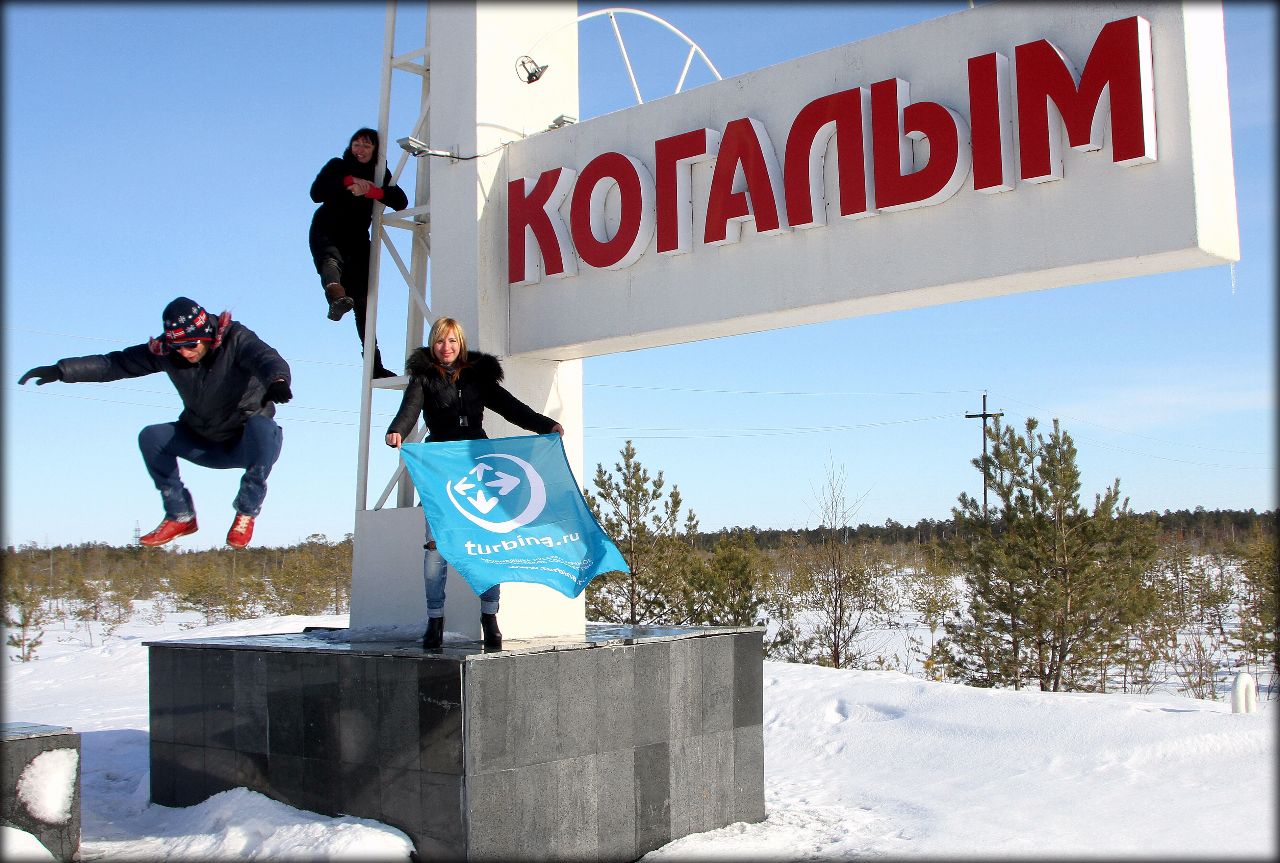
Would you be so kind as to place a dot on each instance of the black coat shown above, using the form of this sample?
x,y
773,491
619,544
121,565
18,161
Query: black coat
x,y
218,394
455,411
343,217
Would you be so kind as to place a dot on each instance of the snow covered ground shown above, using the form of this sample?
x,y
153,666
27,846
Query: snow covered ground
x,y
856,763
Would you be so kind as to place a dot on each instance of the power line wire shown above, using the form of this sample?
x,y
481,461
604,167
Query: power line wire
x,y
699,391
1106,445
1132,434
779,431
630,431
709,391
702,391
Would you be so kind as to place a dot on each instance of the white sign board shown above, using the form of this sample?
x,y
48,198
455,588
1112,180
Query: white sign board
x,y
1011,147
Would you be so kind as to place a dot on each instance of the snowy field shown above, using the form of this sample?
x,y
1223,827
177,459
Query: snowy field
x,y
857,763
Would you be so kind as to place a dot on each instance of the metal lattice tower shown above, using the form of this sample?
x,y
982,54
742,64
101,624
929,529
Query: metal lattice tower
x,y
415,65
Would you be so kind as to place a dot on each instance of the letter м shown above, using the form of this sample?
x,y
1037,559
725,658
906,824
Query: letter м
x,y
1117,84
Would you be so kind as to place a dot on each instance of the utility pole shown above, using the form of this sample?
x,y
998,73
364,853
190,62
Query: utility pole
x,y
984,416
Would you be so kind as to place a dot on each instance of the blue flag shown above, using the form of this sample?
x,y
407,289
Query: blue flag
x,y
509,509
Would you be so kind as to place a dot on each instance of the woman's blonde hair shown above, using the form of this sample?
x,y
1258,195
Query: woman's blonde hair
x,y
440,329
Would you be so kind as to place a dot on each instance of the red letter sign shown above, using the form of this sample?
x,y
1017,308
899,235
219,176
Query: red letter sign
x,y
894,124
1116,84
586,211
744,143
673,158
534,216
842,115
991,123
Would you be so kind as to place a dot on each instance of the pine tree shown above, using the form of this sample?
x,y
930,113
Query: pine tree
x,y
1050,583
1197,595
788,638
1145,656
644,522
25,612
203,582
985,646
727,589
1257,637
931,593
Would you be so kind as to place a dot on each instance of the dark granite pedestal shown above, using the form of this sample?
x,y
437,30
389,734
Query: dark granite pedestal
x,y
600,748
26,746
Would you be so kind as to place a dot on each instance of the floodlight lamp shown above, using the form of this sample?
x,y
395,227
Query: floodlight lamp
x,y
528,70
562,121
414,147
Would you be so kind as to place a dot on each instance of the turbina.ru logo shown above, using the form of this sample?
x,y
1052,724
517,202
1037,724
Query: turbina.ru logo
x,y
501,493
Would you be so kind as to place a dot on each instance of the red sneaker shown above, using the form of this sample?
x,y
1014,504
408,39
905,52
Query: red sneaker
x,y
241,531
169,530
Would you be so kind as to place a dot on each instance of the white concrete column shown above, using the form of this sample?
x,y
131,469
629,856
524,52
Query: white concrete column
x,y
478,103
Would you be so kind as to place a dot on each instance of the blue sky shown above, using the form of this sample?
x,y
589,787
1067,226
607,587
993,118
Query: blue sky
x,y
155,150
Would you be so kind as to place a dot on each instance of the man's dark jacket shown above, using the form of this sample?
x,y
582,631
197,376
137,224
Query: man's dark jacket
x,y
219,393
445,404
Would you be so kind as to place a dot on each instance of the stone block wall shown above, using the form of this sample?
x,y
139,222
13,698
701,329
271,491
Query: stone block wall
x,y
602,749
40,784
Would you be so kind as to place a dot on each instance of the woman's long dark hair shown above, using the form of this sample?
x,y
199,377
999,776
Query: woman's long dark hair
x,y
372,135
364,170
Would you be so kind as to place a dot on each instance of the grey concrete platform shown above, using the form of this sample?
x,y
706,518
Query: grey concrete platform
x,y
600,748
22,743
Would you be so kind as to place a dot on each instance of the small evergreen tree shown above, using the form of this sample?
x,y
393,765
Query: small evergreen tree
x,y
787,638
203,582
931,593
644,522
985,646
1050,583
727,589
1260,581
25,614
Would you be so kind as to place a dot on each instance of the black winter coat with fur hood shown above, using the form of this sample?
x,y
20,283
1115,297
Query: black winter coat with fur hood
x,y
455,410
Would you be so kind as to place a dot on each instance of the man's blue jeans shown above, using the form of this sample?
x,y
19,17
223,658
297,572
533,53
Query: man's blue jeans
x,y
256,452
434,570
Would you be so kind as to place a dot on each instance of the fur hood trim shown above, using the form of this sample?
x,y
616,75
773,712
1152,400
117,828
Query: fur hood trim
x,y
482,365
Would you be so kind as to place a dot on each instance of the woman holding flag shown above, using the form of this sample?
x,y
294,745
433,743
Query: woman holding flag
x,y
451,387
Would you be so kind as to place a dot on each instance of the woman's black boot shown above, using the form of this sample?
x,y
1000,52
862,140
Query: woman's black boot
x,y
492,637
379,370
435,633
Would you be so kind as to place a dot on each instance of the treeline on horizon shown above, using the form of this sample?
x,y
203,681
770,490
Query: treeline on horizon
x,y
1210,529
1211,573
1213,530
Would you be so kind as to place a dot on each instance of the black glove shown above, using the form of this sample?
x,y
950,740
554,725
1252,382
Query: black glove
x,y
43,375
277,392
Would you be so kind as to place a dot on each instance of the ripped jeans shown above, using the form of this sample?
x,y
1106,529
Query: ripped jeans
x,y
434,570
256,451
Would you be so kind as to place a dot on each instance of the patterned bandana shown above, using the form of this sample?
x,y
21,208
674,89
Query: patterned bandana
x,y
186,322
